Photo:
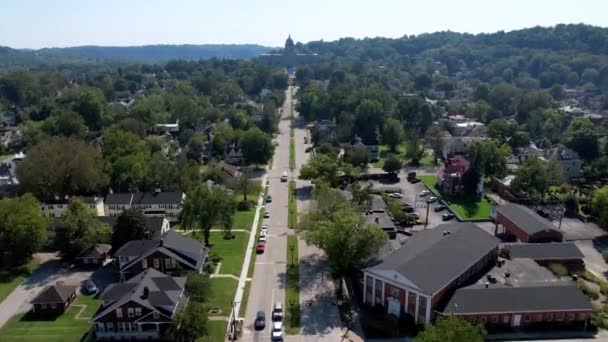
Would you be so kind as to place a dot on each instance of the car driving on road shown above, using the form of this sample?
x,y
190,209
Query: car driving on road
x,y
284,177
260,320
447,216
277,312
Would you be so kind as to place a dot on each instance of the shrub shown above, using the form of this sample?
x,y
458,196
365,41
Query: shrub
x,y
588,290
244,206
558,269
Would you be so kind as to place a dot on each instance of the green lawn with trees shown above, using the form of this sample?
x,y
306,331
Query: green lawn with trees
x,y
466,208
222,294
292,288
11,277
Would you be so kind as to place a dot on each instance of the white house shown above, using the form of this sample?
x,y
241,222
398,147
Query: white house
x,y
56,206
153,204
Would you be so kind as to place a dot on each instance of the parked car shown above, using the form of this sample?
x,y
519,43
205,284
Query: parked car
x,y
415,180
395,195
419,221
90,288
261,248
408,208
308,149
424,193
447,216
284,177
415,214
411,176
260,320
277,312
431,199
266,214
277,331
268,199
264,232
264,227
262,238
440,207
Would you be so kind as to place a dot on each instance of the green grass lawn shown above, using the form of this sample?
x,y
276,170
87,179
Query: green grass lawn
x,y
292,154
216,331
11,278
292,213
231,251
245,299
426,160
64,328
292,293
222,294
243,219
466,208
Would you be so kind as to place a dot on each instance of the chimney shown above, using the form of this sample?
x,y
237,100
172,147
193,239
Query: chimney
x,y
145,293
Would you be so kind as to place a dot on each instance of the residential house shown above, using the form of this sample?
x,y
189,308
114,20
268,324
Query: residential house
x,y
171,128
451,177
372,146
569,160
234,155
6,175
10,135
507,306
141,308
56,206
457,145
326,129
524,153
95,255
153,204
418,277
172,254
54,299
524,225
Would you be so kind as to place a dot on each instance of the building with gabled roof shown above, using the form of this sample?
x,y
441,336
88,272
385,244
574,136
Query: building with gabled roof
x,y
54,299
415,278
171,254
525,225
157,203
141,308
95,255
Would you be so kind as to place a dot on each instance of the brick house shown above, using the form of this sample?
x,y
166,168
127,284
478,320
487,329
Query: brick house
x,y
140,308
172,254
417,278
54,299
451,177
524,225
153,204
516,307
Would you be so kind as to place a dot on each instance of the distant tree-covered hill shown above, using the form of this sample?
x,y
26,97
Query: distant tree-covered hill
x,y
132,54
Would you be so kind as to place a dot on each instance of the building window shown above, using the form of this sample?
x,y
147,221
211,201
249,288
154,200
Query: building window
x,y
53,306
137,312
144,263
110,326
494,319
156,263
43,306
155,315
538,317
395,292
549,316
559,316
130,312
119,313
121,326
506,319
100,327
581,316
570,316
483,319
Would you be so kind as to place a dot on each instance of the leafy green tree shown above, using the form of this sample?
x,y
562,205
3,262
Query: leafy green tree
x,y
452,329
67,124
62,166
90,104
501,129
414,150
198,286
322,168
415,113
244,185
257,146
433,138
130,225
205,207
23,229
392,133
357,156
489,158
190,323
534,177
79,229
392,164
361,195
599,205
585,141
343,235
369,116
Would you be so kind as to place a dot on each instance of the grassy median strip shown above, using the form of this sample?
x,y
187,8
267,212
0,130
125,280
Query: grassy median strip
x,y
292,215
292,293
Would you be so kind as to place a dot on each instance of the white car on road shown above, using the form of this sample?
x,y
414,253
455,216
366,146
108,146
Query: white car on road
x,y
277,331
395,195
424,193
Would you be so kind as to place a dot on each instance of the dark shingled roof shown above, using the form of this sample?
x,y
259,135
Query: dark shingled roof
x,y
525,218
97,250
119,198
162,197
433,258
163,290
136,247
58,293
544,251
479,299
154,223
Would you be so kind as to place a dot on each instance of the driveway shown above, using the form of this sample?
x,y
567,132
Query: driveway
x,y
50,271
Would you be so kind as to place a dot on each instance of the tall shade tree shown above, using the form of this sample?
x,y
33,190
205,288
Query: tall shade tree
x,y
489,158
392,133
79,229
205,207
257,146
321,167
534,177
392,164
130,225
90,104
62,166
452,329
599,205
190,323
342,234
23,229
433,138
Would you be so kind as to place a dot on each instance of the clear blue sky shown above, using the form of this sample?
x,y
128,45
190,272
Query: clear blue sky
x,y
59,23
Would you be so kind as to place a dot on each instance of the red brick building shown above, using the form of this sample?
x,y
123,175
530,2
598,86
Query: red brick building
x,y
416,278
524,225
